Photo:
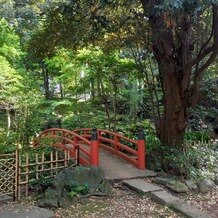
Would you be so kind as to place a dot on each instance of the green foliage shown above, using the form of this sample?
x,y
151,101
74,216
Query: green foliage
x,y
198,161
75,189
7,142
97,76
195,136
41,184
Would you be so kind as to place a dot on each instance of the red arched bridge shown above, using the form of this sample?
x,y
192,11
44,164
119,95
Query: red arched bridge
x,y
85,144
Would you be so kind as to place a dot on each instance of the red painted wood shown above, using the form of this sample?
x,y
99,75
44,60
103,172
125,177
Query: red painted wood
x,y
114,140
116,147
94,157
120,154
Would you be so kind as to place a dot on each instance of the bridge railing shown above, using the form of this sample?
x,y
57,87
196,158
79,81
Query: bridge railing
x,y
66,140
86,142
131,150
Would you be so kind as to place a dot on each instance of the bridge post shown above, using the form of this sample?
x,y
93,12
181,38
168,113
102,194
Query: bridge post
x,y
94,156
141,150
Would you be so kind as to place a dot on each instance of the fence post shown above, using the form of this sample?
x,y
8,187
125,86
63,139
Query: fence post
x,y
94,154
116,141
17,175
141,150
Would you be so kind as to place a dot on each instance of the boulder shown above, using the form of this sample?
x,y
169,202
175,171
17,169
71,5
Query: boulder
x,y
50,198
173,185
161,181
216,180
177,187
75,176
191,185
74,181
205,185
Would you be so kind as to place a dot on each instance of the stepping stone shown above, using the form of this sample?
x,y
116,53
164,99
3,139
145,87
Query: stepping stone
x,y
5,198
162,197
141,186
188,210
177,187
161,181
21,211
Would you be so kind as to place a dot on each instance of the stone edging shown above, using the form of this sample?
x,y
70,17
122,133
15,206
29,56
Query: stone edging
x,y
162,197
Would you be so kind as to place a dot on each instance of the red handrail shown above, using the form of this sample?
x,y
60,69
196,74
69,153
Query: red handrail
x,y
113,144
72,138
89,154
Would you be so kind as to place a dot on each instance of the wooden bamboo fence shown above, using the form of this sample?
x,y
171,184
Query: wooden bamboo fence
x,y
17,170
7,173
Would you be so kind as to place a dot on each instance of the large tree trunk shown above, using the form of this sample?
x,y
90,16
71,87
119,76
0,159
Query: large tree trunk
x,y
174,119
172,53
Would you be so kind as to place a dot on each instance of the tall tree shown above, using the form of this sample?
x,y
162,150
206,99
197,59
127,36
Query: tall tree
x,y
171,30
174,28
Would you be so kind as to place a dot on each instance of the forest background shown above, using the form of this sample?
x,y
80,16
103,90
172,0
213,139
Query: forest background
x,y
117,65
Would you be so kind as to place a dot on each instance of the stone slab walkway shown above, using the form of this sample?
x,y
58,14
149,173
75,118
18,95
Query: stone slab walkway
x,y
21,211
165,198
141,186
116,168
5,198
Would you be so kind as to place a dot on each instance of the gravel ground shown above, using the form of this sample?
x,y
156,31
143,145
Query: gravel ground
x,y
123,203
207,202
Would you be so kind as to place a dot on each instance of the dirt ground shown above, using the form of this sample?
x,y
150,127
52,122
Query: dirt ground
x,y
125,203
122,203
207,202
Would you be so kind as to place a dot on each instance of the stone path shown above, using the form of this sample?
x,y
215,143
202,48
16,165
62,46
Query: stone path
x,y
116,168
163,197
24,211
5,198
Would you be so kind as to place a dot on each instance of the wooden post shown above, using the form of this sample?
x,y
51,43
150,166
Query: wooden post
x,y
37,166
51,164
141,150
27,173
94,154
116,141
17,170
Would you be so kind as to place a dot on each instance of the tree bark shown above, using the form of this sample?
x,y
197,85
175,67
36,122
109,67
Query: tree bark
x,y
46,83
172,53
174,118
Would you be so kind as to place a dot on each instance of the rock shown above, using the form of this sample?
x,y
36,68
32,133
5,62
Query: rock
x,y
191,185
75,180
205,185
162,197
161,181
141,186
188,210
104,187
177,187
173,185
5,198
21,211
216,180
50,199
75,176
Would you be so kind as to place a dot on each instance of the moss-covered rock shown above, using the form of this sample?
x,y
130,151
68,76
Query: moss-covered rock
x,y
177,187
74,181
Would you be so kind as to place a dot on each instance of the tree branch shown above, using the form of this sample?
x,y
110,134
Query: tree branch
x,y
212,57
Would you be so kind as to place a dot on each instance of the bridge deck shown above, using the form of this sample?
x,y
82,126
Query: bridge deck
x,y
116,168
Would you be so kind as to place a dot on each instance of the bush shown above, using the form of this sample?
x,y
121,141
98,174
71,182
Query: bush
x,y
198,160
196,136
77,188
41,184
